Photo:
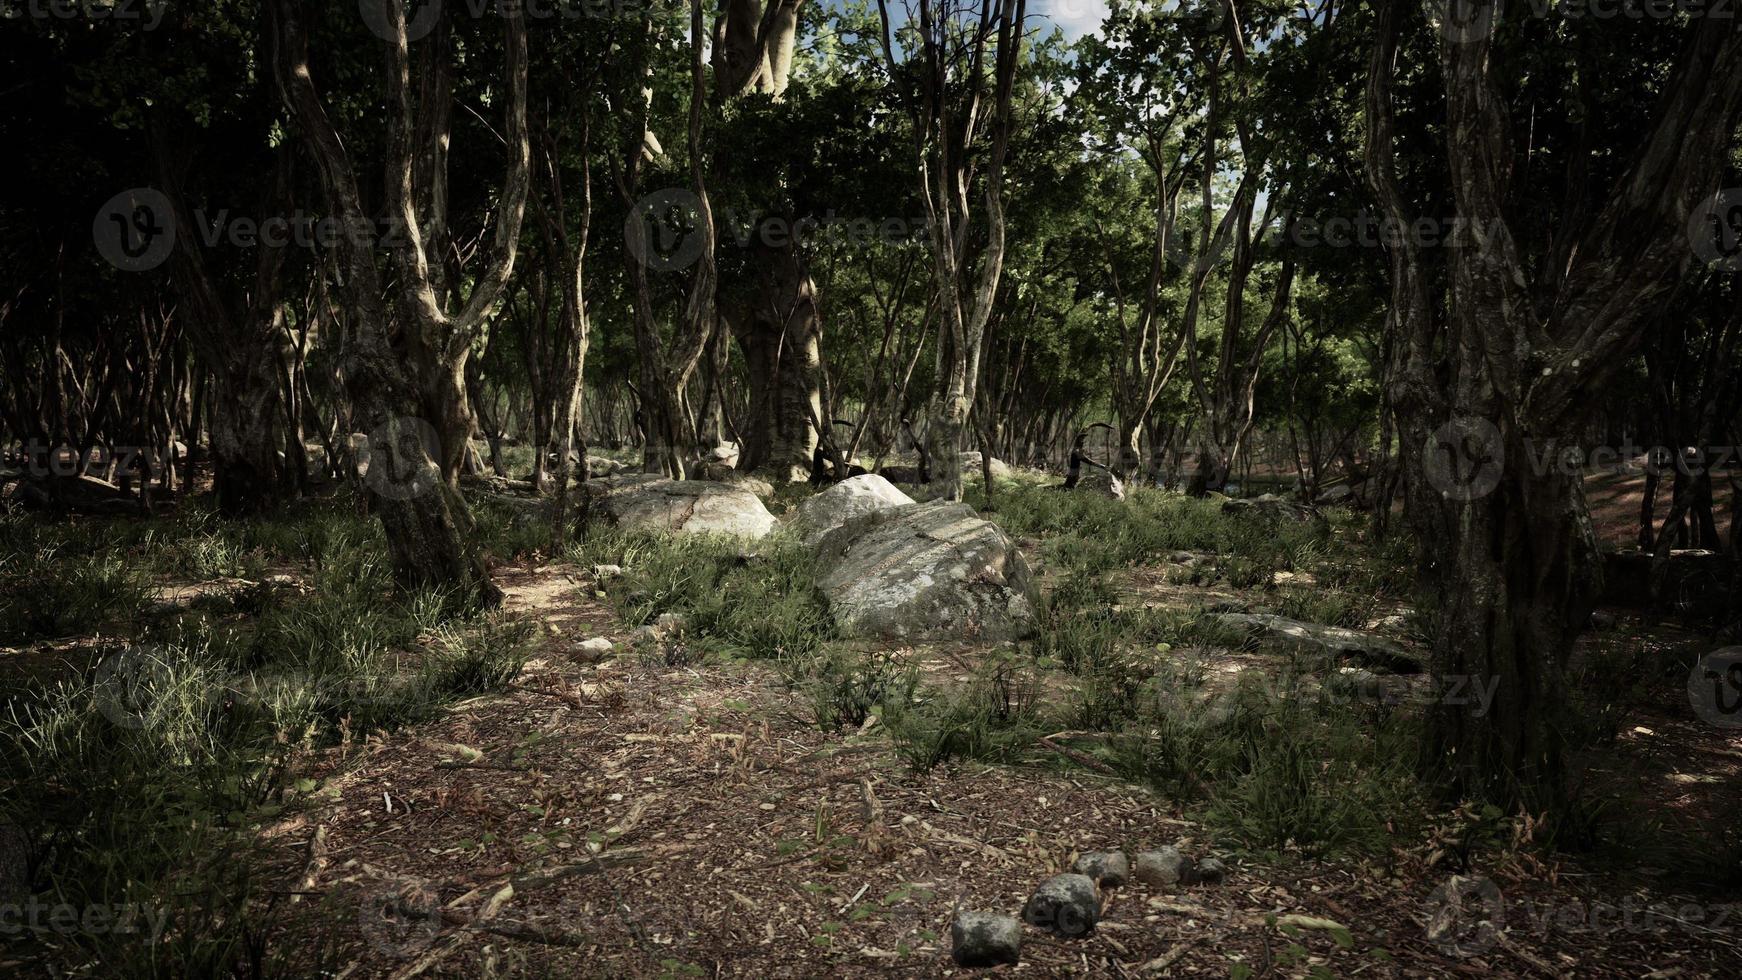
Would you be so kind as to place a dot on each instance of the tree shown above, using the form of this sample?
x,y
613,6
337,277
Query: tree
x,y
405,372
1494,355
949,129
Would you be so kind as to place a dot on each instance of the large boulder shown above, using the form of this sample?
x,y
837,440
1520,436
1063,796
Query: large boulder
x,y
853,497
973,465
599,467
926,571
682,506
1103,482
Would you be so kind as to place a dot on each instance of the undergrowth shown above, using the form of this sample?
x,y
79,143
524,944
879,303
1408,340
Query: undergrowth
x,y
135,785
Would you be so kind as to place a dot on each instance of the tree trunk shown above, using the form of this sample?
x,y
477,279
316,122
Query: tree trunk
x,y
781,340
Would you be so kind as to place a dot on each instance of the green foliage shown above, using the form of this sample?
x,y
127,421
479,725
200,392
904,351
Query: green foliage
x,y
139,781
761,606
847,690
50,590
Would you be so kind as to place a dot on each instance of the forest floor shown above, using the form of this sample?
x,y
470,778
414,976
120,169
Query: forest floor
x,y
731,837
662,810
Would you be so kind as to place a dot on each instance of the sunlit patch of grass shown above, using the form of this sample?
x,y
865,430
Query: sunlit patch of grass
x,y
761,605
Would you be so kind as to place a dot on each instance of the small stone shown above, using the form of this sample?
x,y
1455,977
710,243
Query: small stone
x,y
985,939
1211,871
1166,868
597,644
669,623
1066,904
1109,869
1601,620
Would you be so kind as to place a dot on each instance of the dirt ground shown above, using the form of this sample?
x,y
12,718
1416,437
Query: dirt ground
x,y
621,817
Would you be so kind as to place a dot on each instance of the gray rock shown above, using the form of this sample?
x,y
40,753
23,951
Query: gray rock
x,y
600,466
1211,871
1065,904
1109,869
682,506
925,572
669,623
972,466
985,939
1601,620
1374,651
1270,507
596,645
1333,496
1164,868
710,469
755,484
853,497
1094,480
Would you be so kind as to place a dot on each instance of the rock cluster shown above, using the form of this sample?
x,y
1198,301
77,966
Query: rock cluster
x,y
1069,905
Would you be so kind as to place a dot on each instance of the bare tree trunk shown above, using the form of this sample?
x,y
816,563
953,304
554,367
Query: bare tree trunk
x,y
411,394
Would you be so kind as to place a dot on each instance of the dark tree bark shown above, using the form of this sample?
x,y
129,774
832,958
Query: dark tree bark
x,y
405,364
1497,376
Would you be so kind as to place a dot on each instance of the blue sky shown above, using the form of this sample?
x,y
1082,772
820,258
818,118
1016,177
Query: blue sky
x,y
1074,17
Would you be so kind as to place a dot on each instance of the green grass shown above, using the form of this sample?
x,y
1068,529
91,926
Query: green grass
x,y
1088,533
761,605
140,781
